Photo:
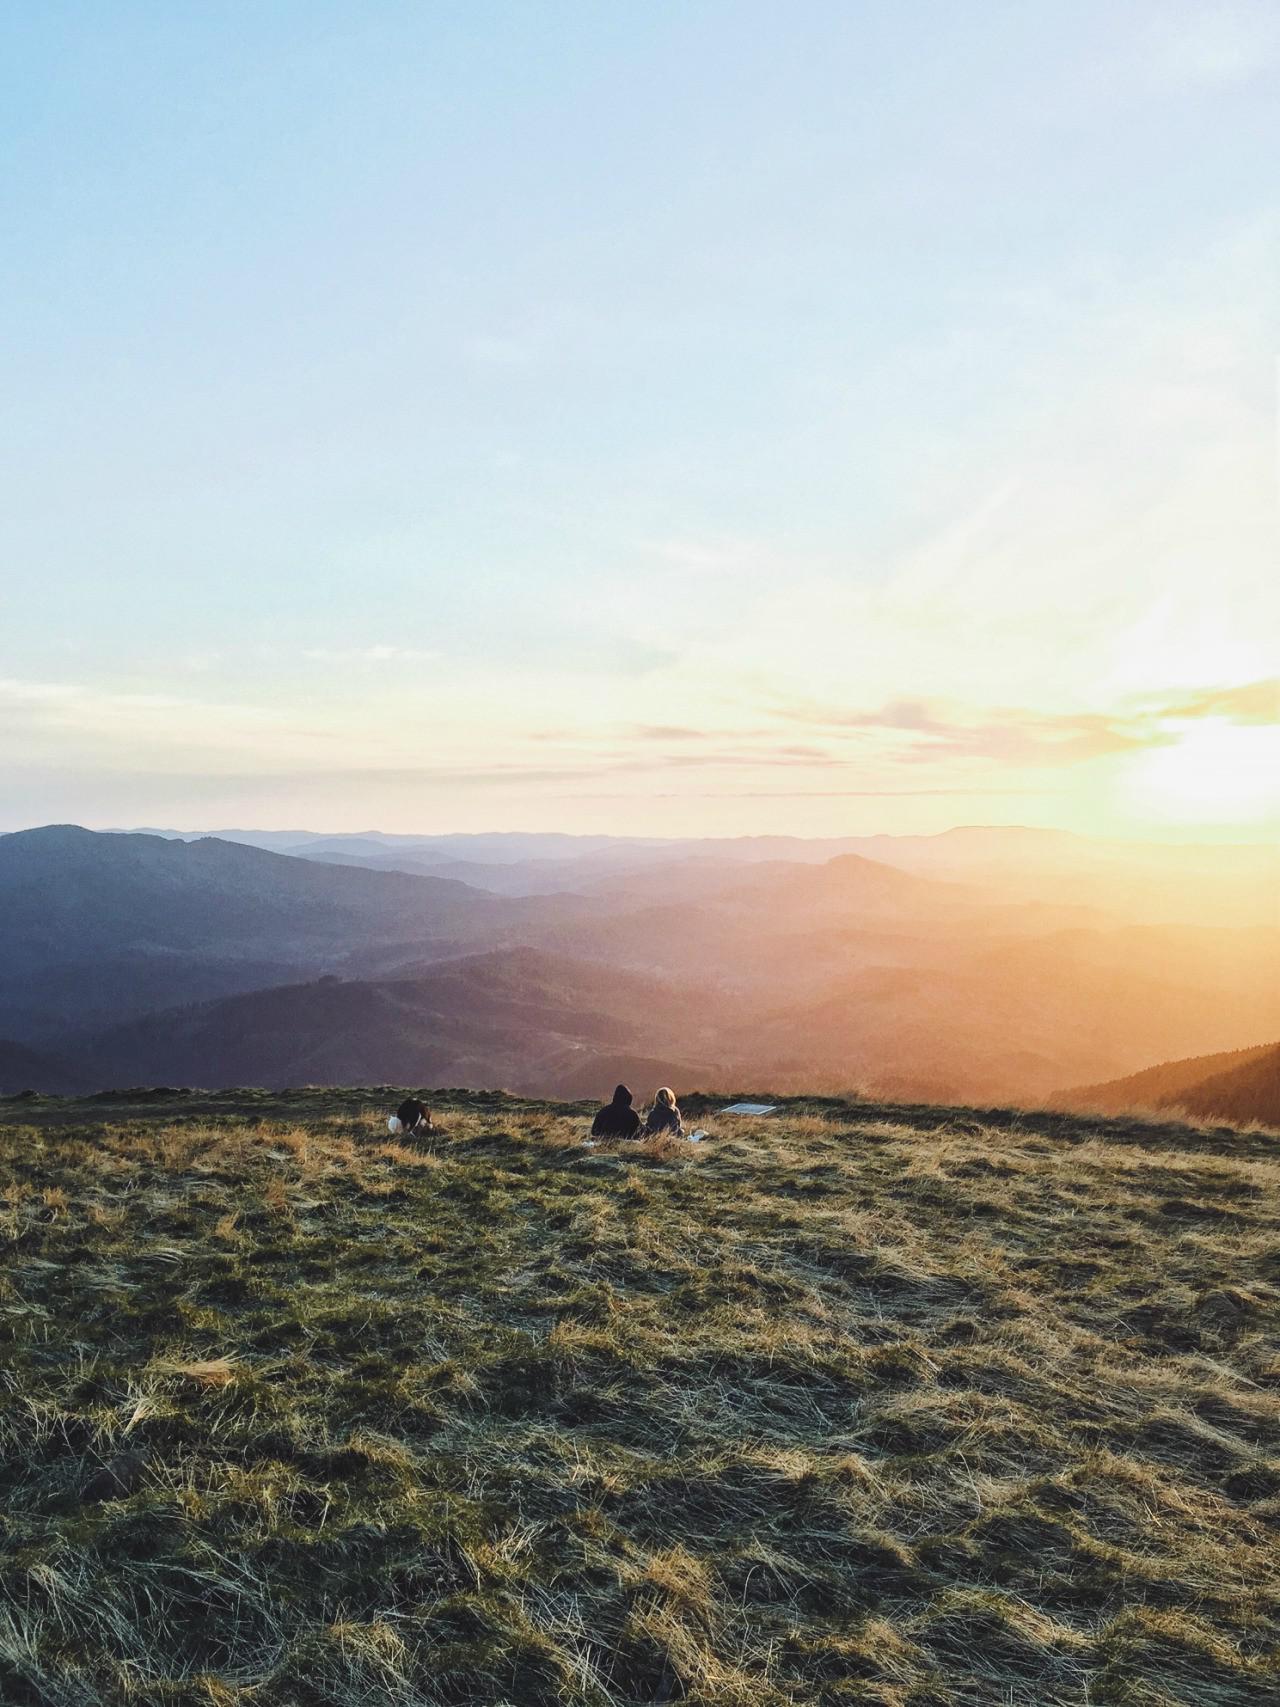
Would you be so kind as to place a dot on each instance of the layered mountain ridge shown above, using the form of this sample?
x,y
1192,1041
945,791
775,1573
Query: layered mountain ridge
x,y
127,958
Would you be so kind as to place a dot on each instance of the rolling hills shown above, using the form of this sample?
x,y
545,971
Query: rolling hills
x,y
1141,882
129,957
95,926
1249,1091
1239,1086
528,1020
862,1404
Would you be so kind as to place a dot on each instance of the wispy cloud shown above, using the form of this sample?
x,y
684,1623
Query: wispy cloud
x,y
1004,734
136,729
668,732
1255,702
357,655
1017,735
15,692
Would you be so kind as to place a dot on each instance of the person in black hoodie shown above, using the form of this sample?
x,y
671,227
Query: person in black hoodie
x,y
617,1119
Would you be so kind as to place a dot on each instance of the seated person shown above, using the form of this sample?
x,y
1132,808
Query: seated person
x,y
414,1116
664,1116
617,1119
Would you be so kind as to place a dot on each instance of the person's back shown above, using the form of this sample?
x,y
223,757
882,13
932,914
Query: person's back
x,y
664,1116
617,1119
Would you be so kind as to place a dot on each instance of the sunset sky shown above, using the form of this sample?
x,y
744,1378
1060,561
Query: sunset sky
x,y
695,418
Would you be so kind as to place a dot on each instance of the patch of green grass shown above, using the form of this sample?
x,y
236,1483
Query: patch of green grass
x,y
860,1404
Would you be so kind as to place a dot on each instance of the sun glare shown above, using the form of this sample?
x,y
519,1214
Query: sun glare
x,y
1214,772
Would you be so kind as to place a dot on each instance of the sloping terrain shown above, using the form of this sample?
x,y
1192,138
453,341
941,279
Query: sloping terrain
x,y
809,975
1240,1086
23,1069
95,926
862,1404
535,1022
1250,1091
952,1022
68,890
1165,1085
1151,882
546,1024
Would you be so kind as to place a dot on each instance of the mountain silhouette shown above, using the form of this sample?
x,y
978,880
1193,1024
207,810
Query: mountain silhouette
x,y
1238,1085
25,1069
135,956
532,1022
94,925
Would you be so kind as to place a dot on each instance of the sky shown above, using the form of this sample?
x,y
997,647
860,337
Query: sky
x,y
709,417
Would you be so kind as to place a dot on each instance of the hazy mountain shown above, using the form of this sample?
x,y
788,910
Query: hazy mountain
x,y
509,846
606,869
1127,881
969,1020
520,1019
1250,1091
1235,1085
486,847
25,1069
107,891
1236,884
926,1033
840,884
360,850
811,974
54,999
93,924
769,926
516,877
428,866
848,885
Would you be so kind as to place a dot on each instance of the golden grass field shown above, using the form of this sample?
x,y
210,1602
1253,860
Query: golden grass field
x,y
857,1404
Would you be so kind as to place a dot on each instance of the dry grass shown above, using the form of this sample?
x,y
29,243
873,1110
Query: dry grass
x,y
856,1405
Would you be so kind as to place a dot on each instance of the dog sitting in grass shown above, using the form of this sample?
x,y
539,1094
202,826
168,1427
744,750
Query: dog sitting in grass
x,y
412,1119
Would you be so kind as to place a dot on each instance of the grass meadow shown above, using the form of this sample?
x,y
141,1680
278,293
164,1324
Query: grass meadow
x,y
856,1404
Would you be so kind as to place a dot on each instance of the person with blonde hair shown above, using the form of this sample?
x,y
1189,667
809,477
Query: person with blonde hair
x,y
664,1116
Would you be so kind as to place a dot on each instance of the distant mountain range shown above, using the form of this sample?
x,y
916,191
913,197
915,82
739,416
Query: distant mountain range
x,y
1139,882
133,957
527,1021
1235,1086
94,927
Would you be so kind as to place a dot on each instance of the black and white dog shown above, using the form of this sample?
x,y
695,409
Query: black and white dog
x,y
412,1116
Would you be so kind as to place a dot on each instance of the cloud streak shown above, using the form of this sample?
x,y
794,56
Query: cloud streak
x,y
1017,735
356,655
1254,703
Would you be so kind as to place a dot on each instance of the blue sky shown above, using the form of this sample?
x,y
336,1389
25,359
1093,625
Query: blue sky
x,y
726,416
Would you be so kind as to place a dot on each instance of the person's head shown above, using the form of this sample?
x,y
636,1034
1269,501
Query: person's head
x,y
665,1097
622,1096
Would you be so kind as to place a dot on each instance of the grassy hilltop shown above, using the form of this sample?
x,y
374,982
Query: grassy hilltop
x,y
860,1404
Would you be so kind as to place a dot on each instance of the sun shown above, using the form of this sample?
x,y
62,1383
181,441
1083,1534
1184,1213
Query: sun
x,y
1214,772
